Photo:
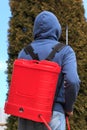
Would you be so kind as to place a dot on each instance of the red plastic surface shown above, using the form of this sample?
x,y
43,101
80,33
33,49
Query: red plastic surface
x,y
32,89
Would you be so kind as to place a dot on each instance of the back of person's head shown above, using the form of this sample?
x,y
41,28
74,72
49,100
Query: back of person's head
x,y
46,25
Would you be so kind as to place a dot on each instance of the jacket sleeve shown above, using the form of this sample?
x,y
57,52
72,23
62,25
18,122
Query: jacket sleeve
x,y
71,79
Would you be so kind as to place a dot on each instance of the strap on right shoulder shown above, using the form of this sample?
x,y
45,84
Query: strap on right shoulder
x,y
58,47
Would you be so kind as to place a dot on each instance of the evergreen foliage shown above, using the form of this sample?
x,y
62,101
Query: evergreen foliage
x,y
12,123
69,12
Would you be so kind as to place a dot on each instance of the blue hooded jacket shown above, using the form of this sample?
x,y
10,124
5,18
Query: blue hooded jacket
x,y
47,31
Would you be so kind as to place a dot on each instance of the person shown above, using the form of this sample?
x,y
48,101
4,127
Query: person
x,y
47,31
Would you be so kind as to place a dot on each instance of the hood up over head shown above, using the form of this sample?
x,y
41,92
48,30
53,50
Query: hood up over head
x,y
46,26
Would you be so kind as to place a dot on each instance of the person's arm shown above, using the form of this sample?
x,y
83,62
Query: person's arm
x,y
71,78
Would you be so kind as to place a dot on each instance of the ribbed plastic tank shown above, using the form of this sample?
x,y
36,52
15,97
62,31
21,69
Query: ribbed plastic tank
x,y
32,89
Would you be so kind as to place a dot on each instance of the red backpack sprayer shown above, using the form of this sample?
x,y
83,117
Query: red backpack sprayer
x,y
34,99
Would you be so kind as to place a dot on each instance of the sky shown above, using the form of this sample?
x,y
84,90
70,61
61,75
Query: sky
x,y
4,19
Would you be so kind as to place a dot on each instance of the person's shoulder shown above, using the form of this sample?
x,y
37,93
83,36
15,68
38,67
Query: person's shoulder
x,y
69,49
21,53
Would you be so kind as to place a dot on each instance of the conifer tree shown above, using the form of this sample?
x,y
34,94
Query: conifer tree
x,y
69,12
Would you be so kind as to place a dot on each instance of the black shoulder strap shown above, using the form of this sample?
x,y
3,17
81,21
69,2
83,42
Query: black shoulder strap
x,y
56,48
29,50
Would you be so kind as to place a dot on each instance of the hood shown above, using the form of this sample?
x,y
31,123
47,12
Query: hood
x,y
46,26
